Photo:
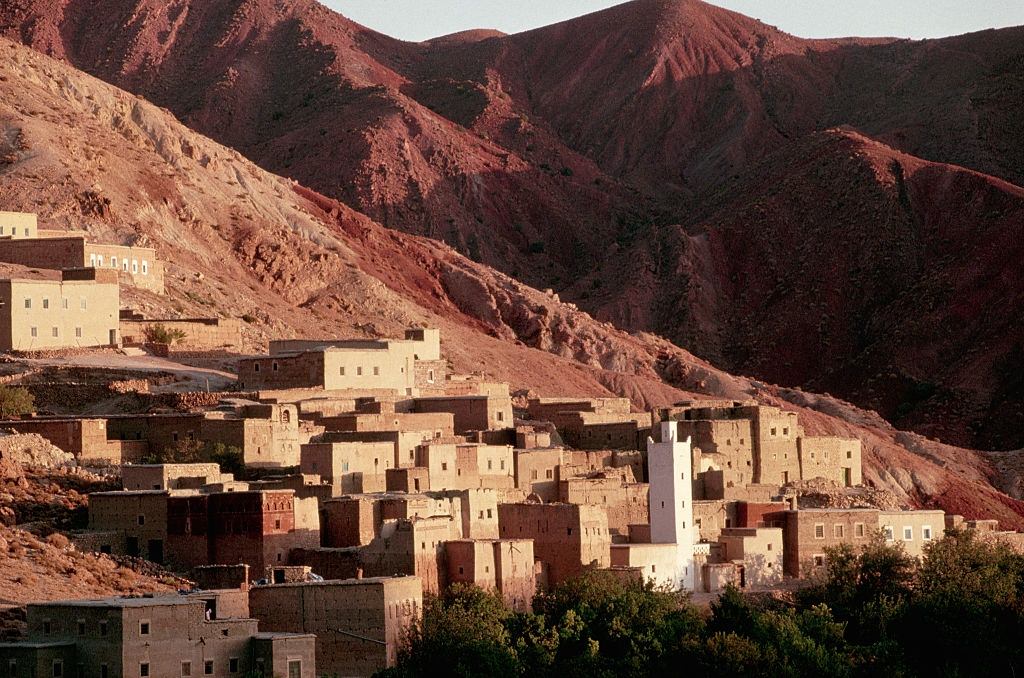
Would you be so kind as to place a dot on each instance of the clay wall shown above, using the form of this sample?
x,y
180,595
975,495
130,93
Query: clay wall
x,y
566,537
350,468
759,550
201,333
538,472
50,314
470,413
837,459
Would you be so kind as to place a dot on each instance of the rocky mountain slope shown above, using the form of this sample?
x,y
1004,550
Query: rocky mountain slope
x,y
244,243
639,161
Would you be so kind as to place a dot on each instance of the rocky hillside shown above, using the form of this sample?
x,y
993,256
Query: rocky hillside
x,y
638,161
244,243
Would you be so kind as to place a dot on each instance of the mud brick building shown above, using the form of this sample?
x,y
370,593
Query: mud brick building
x,y
47,309
170,476
401,366
757,552
350,467
160,637
24,244
625,504
470,412
199,333
359,624
502,565
566,537
593,424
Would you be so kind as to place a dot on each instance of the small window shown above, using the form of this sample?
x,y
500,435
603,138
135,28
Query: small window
x,y
65,303
255,367
430,376
549,474
233,665
78,332
34,331
124,265
774,432
359,371
858,530
501,416
889,533
277,524
56,332
444,466
103,628
104,671
141,519
376,371
769,546
490,464
533,474
81,627
275,367
819,531
908,534
785,431
568,531
135,266
186,669
819,561
113,262
838,531
849,454
145,267
58,668
99,260
47,627
143,626
654,568
461,570
926,532
208,667
84,304
294,668
28,303
341,371
144,669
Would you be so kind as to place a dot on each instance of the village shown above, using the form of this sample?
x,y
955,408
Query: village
x,y
316,501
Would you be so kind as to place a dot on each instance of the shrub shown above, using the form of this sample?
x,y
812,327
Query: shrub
x,y
161,334
15,401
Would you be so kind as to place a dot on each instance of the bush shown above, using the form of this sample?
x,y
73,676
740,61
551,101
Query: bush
x,y
15,402
229,458
161,334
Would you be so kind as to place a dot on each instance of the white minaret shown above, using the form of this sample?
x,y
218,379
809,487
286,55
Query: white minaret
x,y
669,465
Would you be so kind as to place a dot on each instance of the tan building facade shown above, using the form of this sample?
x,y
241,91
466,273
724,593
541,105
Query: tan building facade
x,y
44,310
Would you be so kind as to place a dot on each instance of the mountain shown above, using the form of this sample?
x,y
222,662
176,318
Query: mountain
x,y
638,161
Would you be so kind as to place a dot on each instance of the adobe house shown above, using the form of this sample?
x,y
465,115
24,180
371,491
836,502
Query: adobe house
x,y
23,243
349,467
593,424
567,538
151,636
400,366
359,624
502,565
170,476
470,412
757,551
47,309
201,333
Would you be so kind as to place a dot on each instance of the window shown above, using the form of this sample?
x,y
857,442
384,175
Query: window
x,y
926,532
28,303
124,264
549,474
144,669
341,371
186,669
819,560
533,474
359,371
490,464
65,303
376,371
275,366
568,531
103,628
774,432
501,416
58,668
461,570
141,519
104,671
444,466
908,534
277,524
889,533
208,667
682,476
92,260
838,531
819,531
99,260
84,304
294,668
78,332
769,547
56,332
12,664
145,267
849,454
113,262
430,376
858,530
785,431
135,266
489,514
81,627
233,665
47,627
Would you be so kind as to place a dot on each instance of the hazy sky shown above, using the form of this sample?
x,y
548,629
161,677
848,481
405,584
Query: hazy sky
x,y
422,19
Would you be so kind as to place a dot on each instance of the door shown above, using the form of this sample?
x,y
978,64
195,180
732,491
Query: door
x,y
113,337
131,546
156,550
848,477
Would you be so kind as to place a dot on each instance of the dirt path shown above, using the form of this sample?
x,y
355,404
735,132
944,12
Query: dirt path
x,y
192,378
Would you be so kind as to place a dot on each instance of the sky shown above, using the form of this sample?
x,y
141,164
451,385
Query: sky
x,y
423,19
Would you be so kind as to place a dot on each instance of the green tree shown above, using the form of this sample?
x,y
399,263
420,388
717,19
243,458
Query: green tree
x,y
15,401
228,457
